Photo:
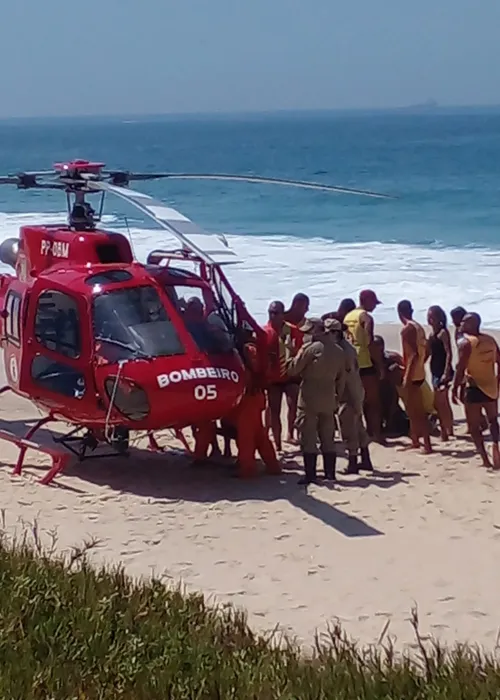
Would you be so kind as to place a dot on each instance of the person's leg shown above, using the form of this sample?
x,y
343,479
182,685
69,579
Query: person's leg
x,y
262,441
363,442
307,424
205,435
292,395
372,406
440,404
326,431
246,434
448,412
349,436
275,395
473,414
419,425
491,410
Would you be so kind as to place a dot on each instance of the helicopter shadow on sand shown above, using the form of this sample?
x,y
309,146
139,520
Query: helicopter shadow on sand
x,y
170,476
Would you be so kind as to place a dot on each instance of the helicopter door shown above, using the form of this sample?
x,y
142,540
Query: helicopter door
x,y
56,360
12,341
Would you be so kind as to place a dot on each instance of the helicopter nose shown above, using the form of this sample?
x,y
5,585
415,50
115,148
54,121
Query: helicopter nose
x,y
128,397
153,396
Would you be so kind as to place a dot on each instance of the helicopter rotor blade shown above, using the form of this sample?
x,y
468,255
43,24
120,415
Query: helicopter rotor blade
x,y
212,248
304,184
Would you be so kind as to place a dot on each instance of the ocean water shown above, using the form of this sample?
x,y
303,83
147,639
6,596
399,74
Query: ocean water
x,y
438,243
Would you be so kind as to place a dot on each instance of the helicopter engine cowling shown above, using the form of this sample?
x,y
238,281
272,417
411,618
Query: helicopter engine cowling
x,y
9,250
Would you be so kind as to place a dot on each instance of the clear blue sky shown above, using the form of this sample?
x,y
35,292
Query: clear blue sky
x,y
64,57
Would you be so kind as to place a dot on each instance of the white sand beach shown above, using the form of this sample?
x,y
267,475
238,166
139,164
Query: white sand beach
x,y
422,529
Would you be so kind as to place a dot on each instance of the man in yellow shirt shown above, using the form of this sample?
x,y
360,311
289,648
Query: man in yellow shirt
x,y
479,365
360,331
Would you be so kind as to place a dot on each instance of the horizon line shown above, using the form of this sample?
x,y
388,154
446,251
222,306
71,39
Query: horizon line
x,y
428,107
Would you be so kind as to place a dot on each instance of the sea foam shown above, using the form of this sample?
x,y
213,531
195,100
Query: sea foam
x,y
276,267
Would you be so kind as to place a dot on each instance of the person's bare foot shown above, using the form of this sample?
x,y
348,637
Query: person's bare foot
x,y
407,448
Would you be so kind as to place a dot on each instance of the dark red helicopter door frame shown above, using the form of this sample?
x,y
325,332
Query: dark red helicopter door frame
x,y
18,353
56,364
13,330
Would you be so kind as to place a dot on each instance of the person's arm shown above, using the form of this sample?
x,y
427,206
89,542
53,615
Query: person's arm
x,y
367,322
497,361
464,352
296,365
445,337
297,340
427,348
341,378
409,338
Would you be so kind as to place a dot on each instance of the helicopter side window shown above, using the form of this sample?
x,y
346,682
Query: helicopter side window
x,y
58,377
202,319
13,320
57,325
131,323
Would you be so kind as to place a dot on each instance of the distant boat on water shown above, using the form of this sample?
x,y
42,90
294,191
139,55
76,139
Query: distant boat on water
x,y
427,106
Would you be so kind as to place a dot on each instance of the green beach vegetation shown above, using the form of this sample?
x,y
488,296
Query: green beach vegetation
x,y
72,631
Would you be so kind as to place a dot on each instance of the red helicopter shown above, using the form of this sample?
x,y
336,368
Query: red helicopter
x,y
105,343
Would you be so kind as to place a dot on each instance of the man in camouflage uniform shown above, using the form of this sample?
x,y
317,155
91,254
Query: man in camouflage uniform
x,y
321,365
353,430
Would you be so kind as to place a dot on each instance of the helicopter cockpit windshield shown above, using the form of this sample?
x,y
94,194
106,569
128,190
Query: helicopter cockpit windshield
x,y
132,323
201,317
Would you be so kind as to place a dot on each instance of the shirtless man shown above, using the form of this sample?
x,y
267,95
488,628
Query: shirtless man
x,y
478,358
360,327
345,307
296,314
414,344
457,316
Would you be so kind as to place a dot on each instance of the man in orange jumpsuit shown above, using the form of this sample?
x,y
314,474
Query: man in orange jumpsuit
x,y
252,436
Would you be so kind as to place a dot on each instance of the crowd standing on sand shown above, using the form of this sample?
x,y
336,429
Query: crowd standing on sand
x,y
337,377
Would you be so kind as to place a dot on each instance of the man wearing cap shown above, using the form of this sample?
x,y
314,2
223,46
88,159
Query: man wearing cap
x,y
351,405
320,363
361,333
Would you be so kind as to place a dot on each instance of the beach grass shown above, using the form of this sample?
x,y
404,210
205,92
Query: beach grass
x,y
69,630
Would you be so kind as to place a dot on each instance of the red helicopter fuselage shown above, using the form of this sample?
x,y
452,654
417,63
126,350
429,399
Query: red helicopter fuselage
x,y
98,339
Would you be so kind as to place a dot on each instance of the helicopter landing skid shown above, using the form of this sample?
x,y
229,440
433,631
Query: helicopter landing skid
x,y
89,442
59,459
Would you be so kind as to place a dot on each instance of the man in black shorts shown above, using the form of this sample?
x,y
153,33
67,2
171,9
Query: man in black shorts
x,y
479,366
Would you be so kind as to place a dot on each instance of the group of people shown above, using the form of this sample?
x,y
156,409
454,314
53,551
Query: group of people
x,y
337,376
